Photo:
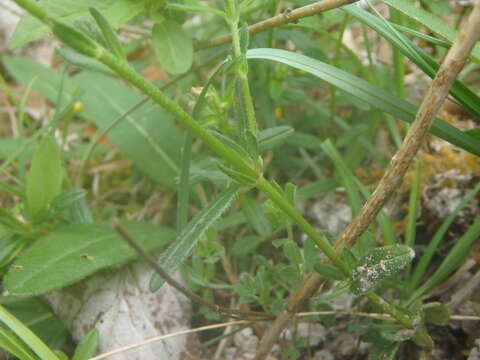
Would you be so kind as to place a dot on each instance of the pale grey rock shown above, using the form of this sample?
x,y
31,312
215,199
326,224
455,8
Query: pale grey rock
x,y
119,304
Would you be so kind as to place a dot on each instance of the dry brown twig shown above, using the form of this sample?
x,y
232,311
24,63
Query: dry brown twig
x,y
281,19
391,180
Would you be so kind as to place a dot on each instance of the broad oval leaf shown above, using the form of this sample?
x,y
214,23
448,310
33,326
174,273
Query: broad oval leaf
x,y
379,264
72,252
173,47
367,92
171,259
44,180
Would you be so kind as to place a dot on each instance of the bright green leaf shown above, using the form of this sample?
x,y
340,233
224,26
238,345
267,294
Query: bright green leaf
x,y
72,252
369,93
117,12
88,346
44,180
173,47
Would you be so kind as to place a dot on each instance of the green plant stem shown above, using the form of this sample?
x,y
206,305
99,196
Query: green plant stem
x,y
390,309
288,209
129,74
242,67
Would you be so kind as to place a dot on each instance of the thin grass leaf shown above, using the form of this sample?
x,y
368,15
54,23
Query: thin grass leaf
x,y
10,343
413,208
454,259
427,64
177,252
26,335
432,22
185,161
355,188
345,174
427,256
111,39
367,92
420,35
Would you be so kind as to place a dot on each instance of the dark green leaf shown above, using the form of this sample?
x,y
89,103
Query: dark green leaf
x,y
436,313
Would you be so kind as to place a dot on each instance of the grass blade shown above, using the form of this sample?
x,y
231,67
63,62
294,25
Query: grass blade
x,y
429,20
454,259
24,333
422,266
367,92
427,64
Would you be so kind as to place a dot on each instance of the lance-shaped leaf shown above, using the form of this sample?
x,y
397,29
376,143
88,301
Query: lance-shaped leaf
x,y
171,259
379,264
367,92
109,35
44,180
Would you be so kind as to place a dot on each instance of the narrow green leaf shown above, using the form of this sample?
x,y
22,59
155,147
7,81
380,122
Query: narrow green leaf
x,y
88,346
453,260
26,335
433,244
117,12
329,271
379,264
44,180
429,20
72,252
171,259
345,174
367,92
83,61
38,316
426,63
111,39
271,137
10,343
256,217
173,47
